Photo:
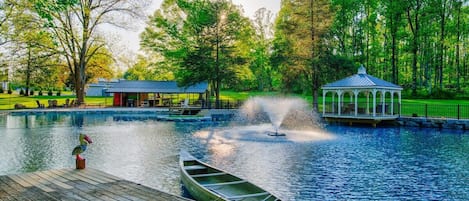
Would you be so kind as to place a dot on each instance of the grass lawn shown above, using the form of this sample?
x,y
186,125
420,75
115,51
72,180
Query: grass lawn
x,y
421,107
8,101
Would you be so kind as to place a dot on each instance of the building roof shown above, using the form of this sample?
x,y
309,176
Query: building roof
x,y
361,80
127,86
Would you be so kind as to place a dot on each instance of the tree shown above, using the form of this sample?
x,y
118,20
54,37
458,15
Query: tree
x,y
262,45
206,40
413,17
302,26
30,51
74,24
8,9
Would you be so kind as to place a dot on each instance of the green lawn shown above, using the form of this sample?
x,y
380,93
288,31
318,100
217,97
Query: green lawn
x,y
421,107
8,101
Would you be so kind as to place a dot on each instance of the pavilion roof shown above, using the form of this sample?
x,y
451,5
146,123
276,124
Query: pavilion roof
x,y
361,80
140,86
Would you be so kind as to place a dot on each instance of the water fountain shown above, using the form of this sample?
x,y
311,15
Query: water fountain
x,y
279,111
270,119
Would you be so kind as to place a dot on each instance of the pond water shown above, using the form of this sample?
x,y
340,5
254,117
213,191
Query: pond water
x,y
340,163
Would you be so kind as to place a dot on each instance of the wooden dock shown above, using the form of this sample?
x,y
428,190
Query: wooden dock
x,y
72,184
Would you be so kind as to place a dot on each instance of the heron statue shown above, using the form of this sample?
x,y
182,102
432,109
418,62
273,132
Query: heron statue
x,y
84,141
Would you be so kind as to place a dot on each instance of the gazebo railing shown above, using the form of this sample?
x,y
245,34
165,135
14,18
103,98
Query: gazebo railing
x,y
362,108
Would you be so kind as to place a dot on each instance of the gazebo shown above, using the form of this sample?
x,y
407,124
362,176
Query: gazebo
x,y
359,108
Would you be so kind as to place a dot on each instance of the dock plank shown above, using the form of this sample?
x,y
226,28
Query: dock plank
x,y
79,185
37,182
20,181
52,180
77,177
83,175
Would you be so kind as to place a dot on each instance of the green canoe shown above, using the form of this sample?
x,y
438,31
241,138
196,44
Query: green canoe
x,y
205,182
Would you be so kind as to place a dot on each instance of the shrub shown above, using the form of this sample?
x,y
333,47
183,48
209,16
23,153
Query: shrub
x,y
1,91
40,93
58,93
442,94
31,93
10,91
49,93
21,92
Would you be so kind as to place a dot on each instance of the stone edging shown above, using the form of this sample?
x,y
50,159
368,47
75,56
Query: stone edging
x,y
433,123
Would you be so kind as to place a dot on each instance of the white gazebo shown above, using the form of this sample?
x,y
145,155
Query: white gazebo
x,y
359,88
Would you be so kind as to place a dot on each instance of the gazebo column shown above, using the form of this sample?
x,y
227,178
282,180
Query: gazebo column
x,y
367,102
392,103
339,108
374,102
399,94
333,103
355,92
383,104
324,102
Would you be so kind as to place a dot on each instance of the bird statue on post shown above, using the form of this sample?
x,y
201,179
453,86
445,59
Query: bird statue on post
x,y
84,140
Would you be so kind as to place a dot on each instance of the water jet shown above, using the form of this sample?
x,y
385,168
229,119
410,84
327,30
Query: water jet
x,y
280,112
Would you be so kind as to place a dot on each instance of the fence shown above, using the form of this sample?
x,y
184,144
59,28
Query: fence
x,y
435,111
453,111
224,104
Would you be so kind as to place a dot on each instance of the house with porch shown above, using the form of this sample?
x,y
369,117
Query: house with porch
x,y
361,98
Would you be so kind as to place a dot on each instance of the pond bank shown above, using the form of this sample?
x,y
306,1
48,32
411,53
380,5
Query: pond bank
x,y
443,123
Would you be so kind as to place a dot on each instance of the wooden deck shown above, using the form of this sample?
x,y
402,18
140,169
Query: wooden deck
x,y
360,119
72,184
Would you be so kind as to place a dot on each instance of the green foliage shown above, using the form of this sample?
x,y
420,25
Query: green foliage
x,y
201,41
299,44
46,8
49,93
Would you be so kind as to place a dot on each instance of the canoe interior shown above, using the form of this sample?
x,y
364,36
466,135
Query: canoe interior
x,y
224,184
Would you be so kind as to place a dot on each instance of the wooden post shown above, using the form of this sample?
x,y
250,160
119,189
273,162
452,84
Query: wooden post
x,y
80,163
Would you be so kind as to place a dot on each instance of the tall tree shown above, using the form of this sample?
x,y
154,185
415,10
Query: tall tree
x,y
74,24
413,17
31,50
302,26
206,40
260,66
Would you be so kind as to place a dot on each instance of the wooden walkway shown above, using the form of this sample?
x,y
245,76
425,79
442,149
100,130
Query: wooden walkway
x,y
72,184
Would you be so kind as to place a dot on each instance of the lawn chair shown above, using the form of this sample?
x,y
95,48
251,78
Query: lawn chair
x,y
39,104
67,103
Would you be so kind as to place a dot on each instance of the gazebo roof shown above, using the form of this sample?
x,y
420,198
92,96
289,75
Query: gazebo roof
x,y
361,80
126,86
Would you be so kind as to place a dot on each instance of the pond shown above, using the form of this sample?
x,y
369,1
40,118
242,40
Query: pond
x,y
351,163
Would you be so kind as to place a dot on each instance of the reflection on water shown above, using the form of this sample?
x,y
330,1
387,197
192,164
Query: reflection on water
x,y
348,163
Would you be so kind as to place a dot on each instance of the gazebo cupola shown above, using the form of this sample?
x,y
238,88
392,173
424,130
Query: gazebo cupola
x,y
350,98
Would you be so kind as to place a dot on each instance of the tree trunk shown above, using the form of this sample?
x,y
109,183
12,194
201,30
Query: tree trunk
x,y
458,37
28,71
442,44
314,66
414,26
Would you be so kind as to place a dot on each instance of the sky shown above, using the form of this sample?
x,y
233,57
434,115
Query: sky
x,y
129,39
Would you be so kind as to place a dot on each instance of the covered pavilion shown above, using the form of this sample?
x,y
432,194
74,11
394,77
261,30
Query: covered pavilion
x,y
371,100
140,93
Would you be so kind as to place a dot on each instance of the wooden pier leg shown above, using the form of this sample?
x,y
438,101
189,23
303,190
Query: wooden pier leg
x,y
80,163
